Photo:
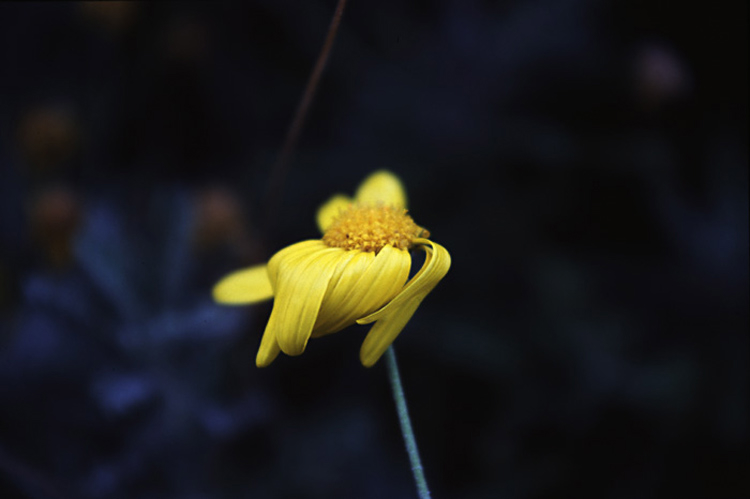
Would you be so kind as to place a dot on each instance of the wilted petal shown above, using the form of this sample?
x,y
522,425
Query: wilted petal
x,y
363,286
268,351
250,285
341,288
300,288
392,318
382,187
289,255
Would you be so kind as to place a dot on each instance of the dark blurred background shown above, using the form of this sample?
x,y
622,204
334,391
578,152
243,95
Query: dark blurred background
x,y
585,162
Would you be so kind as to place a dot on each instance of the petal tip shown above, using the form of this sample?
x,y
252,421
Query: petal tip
x,y
384,187
264,359
368,363
243,287
292,349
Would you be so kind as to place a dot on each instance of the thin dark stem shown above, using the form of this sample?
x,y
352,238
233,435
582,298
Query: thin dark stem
x,y
279,170
406,429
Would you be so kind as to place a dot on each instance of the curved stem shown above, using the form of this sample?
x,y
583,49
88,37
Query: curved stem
x,y
406,429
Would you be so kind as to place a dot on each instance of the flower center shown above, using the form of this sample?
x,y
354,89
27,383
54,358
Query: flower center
x,y
370,228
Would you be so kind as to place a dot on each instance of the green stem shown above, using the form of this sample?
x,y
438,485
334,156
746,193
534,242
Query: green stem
x,y
406,429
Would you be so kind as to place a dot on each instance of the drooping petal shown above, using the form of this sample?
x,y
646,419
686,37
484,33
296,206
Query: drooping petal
x,y
392,318
287,256
269,346
268,351
250,285
299,291
364,285
330,210
348,260
340,291
382,187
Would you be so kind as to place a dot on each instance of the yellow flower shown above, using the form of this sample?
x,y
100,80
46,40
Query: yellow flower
x,y
356,273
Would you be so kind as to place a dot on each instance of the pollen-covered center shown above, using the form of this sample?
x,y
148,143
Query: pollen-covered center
x,y
370,228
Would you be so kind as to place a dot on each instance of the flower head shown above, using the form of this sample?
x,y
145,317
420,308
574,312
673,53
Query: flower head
x,y
357,273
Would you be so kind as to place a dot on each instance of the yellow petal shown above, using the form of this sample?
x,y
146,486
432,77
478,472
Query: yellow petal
x,y
269,346
382,187
340,291
250,285
300,287
330,210
268,351
288,255
363,286
392,318
343,267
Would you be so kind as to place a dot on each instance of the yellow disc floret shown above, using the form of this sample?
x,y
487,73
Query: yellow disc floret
x,y
371,227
